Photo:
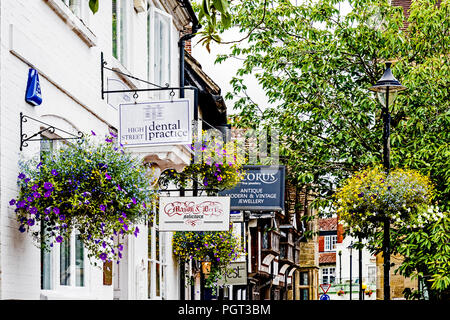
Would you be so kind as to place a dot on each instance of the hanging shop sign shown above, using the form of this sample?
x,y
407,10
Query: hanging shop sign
x,y
155,123
262,189
194,213
236,274
33,94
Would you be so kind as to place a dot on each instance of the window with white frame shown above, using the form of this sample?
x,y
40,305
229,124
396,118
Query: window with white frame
x,y
372,274
62,265
330,243
159,47
328,275
80,8
156,266
120,30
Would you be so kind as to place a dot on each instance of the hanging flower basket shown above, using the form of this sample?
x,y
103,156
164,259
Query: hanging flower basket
x,y
97,189
216,166
220,248
370,195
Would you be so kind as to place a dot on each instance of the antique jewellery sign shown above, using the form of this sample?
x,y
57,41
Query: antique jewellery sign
x,y
155,123
262,189
194,213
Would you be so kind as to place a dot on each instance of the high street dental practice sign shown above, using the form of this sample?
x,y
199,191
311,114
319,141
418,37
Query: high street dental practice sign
x,y
155,123
261,189
194,213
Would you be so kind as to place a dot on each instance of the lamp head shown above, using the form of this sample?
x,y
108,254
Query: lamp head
x,y
387,84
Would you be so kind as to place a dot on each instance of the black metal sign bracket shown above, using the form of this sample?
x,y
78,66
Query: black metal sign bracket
x,y
48,128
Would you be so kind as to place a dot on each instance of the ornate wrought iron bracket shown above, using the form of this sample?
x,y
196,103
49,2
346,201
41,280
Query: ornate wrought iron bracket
x,y
172,90
24,138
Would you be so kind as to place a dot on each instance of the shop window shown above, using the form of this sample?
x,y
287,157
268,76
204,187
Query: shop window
x,y
120,30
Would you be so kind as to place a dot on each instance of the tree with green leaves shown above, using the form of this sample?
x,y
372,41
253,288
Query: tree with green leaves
x,y
316,60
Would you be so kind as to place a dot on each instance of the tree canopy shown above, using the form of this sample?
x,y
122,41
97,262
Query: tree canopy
x,y
316,60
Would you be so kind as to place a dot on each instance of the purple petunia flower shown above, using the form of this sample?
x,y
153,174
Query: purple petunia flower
x,y
34,187
121,220
36,195
120,247
62,217
136,231
22,228
93,133
21,204
54,172
125,227
134,200
47,194
21,176
104,244
33,210
119,188
113,134
59,239
39,164
12,202
108,140
103,256
107,176
56,210
30,199
102,207
48,186
30,222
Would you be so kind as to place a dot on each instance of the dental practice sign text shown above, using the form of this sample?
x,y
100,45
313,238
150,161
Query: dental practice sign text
x,y
155,123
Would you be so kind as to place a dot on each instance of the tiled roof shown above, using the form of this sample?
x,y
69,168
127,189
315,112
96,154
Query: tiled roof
x,y
328,224
327,257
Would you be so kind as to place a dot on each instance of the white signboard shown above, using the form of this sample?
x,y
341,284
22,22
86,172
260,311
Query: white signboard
x,y
155,123
194,213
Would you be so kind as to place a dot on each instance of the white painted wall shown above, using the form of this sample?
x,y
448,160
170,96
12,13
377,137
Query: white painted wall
x,y
33,34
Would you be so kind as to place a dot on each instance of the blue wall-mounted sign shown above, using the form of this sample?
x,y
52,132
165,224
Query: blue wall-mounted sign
x,y
262,189
33,94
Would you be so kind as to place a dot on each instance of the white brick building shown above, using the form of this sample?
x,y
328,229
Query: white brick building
x,y
63,40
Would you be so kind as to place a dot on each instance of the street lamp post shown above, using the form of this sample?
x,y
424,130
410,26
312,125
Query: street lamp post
x,y
350,247
387,89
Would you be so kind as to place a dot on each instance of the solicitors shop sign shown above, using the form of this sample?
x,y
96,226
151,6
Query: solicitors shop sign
x,y
261,189
194,213
155,123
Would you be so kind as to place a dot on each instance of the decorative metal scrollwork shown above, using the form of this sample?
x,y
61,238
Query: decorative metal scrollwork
x,y
49,128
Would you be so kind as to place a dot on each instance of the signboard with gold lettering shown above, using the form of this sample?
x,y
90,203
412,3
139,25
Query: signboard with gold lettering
x,y
155,123
194,213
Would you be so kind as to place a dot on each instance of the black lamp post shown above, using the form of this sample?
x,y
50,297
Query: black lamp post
x,y
350,247
386,89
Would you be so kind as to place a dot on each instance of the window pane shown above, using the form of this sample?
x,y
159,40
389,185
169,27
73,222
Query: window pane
x,y
79,262
46,260
303,278
123,31
114,28
304,294
64,262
